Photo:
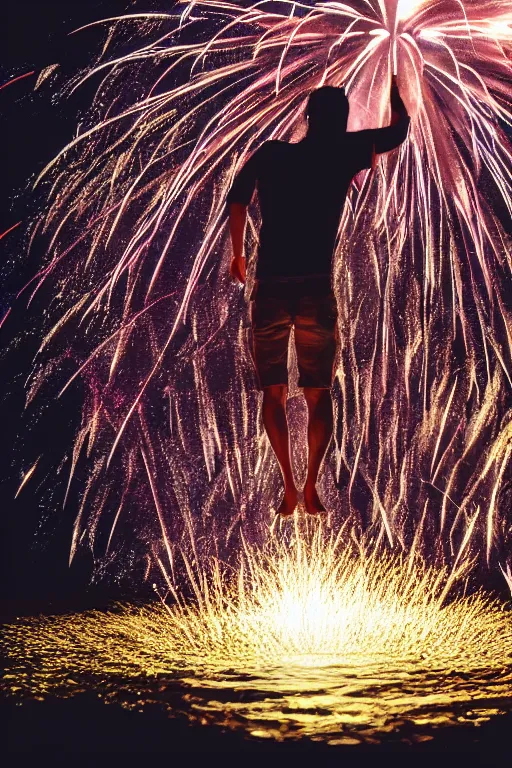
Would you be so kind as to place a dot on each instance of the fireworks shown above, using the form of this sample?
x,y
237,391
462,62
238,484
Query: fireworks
x,y
310,637
138,255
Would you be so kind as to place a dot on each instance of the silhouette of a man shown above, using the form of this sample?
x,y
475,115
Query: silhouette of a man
x,y
301,190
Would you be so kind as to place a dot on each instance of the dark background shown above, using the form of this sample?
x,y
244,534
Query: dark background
x,y
36,530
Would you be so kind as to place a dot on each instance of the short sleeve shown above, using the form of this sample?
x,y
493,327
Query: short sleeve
x,y
244,184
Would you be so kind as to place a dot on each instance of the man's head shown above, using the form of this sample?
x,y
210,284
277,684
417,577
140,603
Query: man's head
x,y
327,112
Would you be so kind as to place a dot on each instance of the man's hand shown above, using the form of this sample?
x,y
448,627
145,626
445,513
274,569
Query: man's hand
x,y
390,137
237,269
237,220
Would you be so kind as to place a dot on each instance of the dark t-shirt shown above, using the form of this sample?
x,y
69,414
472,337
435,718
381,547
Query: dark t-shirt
x,y
301,190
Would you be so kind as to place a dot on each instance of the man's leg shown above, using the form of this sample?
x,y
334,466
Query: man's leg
x,y
276,426
320,425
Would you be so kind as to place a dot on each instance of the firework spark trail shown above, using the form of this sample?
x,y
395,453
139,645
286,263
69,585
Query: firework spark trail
x,y
305,632
139,251
289,600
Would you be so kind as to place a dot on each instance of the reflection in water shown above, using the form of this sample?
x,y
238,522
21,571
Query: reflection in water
x,y
307,638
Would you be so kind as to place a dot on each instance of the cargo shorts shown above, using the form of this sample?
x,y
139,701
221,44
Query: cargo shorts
x,y
309,306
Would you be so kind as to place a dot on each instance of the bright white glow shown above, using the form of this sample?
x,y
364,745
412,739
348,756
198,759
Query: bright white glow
x,y
429,33
406,8
310,635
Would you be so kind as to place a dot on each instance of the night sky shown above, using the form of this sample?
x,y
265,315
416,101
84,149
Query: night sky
x,y
35,35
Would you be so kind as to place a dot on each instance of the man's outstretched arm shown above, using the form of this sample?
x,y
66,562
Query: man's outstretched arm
x,y
237,222
386,139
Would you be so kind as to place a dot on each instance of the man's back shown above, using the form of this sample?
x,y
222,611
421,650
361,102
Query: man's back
x,y
301,189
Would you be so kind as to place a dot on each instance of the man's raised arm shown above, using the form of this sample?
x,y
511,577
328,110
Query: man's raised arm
x,y
386,139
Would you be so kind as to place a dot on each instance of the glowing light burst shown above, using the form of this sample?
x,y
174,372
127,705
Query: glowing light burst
x,y
138,265
307,637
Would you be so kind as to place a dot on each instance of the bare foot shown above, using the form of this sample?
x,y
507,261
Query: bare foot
x,y
289,502
312,502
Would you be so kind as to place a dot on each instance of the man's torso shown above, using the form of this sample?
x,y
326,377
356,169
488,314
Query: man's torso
x,y
301,190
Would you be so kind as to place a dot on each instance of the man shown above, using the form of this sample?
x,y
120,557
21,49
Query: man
x,y
302,189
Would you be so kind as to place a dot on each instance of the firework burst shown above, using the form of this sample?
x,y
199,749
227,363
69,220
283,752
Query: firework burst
x,y
138,256
307,637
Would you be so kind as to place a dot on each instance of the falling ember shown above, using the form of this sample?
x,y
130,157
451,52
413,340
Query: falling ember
x,y
169,440
311,637
26,477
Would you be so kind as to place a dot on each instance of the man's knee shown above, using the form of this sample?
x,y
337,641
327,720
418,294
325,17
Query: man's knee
x,y
319,403
276,393
314,395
